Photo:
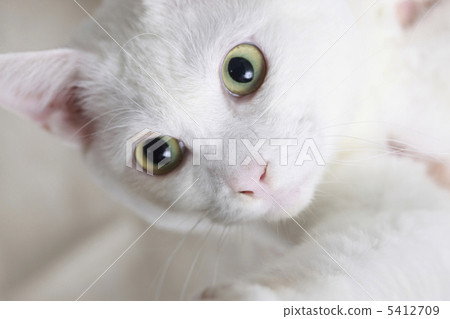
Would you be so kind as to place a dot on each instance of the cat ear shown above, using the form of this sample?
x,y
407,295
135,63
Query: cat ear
x,y
43,86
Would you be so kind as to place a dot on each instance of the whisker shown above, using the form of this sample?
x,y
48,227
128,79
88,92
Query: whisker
x,y
165,269
156,35
92,121
106,130
194,263
382,145
221,244
120,114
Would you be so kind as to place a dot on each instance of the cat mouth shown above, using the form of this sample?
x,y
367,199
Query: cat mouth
x,y
275,205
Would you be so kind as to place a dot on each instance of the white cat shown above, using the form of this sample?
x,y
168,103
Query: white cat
x,y
363,227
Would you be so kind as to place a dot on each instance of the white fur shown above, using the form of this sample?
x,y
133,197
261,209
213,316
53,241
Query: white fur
x,y
162,72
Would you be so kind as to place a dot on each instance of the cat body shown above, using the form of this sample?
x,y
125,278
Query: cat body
x,y
353,229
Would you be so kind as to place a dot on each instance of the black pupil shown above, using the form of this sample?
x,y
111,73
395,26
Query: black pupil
x,y
241,70
157,150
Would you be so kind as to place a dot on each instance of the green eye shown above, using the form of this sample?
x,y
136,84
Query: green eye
x,y
160,155
244,70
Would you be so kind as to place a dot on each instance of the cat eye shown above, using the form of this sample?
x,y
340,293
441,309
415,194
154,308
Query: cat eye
x,y
244,70
160,155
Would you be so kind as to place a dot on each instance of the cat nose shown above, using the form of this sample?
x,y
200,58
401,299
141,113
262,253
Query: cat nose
x,y
250,180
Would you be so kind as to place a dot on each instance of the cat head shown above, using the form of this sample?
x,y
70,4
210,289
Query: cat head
x,y
221,109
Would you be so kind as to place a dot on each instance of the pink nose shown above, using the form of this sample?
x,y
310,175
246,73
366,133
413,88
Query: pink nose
x,y
250,180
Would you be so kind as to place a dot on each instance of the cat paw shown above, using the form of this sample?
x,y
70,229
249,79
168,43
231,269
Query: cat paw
x,y
238,292
438,169
410,11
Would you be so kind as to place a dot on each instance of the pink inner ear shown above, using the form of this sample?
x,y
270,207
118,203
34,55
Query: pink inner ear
x,y
42,87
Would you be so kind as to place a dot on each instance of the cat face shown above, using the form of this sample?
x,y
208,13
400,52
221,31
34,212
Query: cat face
x,y
258,82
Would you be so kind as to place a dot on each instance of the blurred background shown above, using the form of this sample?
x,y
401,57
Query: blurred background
x,y
58,230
